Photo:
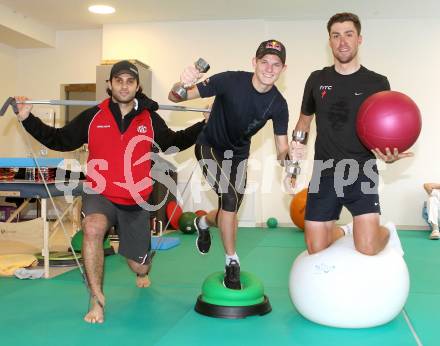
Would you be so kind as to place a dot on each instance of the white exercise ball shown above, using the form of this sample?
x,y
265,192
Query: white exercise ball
x,y
341,287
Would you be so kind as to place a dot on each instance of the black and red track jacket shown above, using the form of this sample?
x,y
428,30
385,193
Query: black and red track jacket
x,y
119,148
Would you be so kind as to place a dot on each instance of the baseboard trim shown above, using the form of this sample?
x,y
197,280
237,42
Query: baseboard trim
x,y
399,227
412,228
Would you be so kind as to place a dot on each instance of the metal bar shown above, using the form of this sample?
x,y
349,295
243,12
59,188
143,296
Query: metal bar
x,y
60,102
6,106
94,103
183,109
45,251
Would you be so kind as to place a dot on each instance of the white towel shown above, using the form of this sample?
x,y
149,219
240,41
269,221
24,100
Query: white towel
x,y
23,273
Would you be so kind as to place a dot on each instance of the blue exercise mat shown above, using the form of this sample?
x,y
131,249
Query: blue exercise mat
x,y
164,243
32,189
28,162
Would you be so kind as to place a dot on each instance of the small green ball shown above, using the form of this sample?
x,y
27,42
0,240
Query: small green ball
x,y
186,222
272,222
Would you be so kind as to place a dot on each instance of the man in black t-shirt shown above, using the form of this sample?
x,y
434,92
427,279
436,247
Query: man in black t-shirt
x,y
244,102
344,172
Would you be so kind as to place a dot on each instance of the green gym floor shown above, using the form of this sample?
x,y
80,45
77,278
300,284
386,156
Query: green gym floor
x,y
49,312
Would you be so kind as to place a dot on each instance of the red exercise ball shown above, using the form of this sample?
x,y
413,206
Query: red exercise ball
x,y
388,119
200,212
173,211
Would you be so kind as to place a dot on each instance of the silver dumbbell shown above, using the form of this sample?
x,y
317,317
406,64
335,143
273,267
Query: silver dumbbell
x,y
179,90
293,168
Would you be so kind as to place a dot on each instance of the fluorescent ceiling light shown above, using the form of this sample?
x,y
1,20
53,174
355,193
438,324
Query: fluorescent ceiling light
x,y
101,9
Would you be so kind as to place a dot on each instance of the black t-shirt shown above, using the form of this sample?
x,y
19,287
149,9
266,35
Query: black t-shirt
x,y
239,111
335,99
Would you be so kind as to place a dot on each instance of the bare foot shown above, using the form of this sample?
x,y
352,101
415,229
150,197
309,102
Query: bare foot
x,y
143,281
96,312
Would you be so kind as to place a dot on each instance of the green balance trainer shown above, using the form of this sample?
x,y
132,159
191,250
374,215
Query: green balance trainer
x,y
59,259
218,301
77,241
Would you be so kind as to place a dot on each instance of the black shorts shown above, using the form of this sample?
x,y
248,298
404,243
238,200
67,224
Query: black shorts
x,y
359,198
226,175
133,226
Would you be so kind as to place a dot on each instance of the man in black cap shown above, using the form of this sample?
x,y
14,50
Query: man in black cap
x,y
244,102
121,133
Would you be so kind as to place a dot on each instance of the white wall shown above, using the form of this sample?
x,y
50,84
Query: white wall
x,y
397,48
404,50
41,72
410,59
167,48
73,60
8,87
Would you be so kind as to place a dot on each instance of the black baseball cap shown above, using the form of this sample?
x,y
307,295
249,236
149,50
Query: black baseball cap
x,y
271,47
124,66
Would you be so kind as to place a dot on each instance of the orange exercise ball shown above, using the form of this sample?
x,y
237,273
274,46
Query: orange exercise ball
x,y
298,208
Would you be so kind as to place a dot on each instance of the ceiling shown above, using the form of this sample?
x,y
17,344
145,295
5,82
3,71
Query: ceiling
x,y
73,14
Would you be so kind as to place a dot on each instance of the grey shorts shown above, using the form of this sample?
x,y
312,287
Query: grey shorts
x,y
133,226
